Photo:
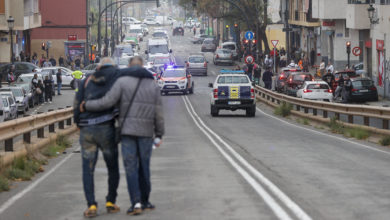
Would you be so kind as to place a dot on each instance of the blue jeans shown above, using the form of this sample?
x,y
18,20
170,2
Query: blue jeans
x,y
93,138
59,86
136,153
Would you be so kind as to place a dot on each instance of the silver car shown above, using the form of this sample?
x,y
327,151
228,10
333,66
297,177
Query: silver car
x,y
197,65
223,56
20,96
10,108
209,45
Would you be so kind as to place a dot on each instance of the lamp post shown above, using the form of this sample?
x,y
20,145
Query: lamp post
x,y
11,22
372,15
348,44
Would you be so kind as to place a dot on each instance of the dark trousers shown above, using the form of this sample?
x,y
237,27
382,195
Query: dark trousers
x,y
93,138
48,96
136,153
268,84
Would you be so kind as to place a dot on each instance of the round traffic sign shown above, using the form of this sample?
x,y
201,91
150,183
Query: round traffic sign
x,y
249,59
249,35
357,51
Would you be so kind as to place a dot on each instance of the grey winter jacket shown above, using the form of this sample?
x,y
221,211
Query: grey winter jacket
x,y
145,117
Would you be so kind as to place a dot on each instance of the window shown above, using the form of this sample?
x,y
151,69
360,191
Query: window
x,y
385,2
2,6
346,34
233,80
358,1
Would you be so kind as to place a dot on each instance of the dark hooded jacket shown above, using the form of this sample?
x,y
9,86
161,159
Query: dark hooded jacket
x,y
98,85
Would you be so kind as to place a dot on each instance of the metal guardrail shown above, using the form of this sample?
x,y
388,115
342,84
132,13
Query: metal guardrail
x,y
25,126
312,107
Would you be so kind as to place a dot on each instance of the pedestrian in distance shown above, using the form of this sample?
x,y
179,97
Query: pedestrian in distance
x,y
250,71
42,60
194,30
330,67
59,81
28,58
77,76
312,56
142,124
61,61
53,61
48,84
267,78
305,64
40,89
11,75
77,63
322,68
257,74
339,88
47,63
329,78
346,90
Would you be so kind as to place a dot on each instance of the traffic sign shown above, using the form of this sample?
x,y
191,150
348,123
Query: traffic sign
x,y
249,59
357,51
274,42
249,35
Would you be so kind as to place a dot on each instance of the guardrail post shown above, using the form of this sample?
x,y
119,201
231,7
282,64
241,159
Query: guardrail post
x,y
367,121
350,119
385,124
9,145
51,126
325,114
41,131
337,116
314,112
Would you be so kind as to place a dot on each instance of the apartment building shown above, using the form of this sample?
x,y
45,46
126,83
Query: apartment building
x,y
27,16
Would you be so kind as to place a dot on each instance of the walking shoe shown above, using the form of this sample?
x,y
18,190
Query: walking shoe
x,y
148,206
136,210
112,208
91,212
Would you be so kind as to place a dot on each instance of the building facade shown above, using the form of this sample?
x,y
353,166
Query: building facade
x,y
64,26
27,16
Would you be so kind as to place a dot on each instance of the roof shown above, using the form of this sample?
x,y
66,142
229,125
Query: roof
x,y
316,82
360,79
157,41
228,43
232,72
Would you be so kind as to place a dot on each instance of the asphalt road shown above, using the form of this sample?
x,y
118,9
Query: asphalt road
x,y
228,167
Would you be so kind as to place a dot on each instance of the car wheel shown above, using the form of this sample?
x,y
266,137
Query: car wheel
x,y
192,88
214,111
72,84
185,92
251,112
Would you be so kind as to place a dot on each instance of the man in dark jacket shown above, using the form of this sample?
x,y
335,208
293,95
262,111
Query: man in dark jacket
x,y
339,88
97,131
141,117
267,78
329,78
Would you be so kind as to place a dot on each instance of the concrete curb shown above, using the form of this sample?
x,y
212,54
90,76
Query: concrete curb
x,y
9,157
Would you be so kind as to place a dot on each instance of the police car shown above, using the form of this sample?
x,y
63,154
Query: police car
x,y
176,79
233,90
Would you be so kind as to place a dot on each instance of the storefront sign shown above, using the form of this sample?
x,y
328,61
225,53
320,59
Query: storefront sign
x,y
328,23
368,43
72,37
380,44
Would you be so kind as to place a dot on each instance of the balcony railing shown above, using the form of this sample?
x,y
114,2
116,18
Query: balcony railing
x,y
303,17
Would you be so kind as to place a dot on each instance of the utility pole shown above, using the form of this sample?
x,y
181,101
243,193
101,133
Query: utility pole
x,y
99,30
106,37
86,48
287,30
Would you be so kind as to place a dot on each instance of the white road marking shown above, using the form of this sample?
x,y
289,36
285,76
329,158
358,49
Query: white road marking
x,y
20,194
324,134
272,204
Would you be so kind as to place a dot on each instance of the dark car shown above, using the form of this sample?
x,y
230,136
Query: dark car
x,y
363,89
345,74
20,68
178,31
295,81
282,77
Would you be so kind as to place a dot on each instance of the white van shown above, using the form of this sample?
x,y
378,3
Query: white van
x,y
231,46
135,30
130,20
158,47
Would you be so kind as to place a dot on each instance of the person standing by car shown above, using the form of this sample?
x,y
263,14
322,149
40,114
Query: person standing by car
x,y
77,63
194,30
40,89
322,68
77,75
47,63
48,89
257,74
53,61
339,88
142,119
328,78
11,75
330,68
59,81
267,78
346,89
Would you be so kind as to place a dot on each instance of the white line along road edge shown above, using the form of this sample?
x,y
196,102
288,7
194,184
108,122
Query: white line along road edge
x,y
276,208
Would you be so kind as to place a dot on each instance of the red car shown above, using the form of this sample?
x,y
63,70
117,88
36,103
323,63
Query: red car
x,y
282,77
295,81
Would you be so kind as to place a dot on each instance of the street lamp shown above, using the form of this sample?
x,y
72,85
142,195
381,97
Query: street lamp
x,y
348,44
372,14
11,23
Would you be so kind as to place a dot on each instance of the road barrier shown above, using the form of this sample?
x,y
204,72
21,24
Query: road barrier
x,y
325,110
26,125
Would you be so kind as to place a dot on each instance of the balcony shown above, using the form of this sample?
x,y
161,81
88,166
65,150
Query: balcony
x,y
357,16
32,21
301,18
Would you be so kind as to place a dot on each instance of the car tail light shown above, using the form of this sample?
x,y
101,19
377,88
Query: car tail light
x,y
217,56
307,90
281,76
252,93
373,88
354,90
215,93
329,91
205,64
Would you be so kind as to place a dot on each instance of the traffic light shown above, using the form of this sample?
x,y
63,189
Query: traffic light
x,y
158,3
194,3
43,46
227,26
236,25
93,47
254,41
348,47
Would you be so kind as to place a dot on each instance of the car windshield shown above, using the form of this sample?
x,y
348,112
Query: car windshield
x,y
196,59
5,103
208,42
24,78
362,84
224,51
233,79
158,49
126,50
135,31
174,73
17,92
229,47
123,61
161,60
302,77
159,34
318,86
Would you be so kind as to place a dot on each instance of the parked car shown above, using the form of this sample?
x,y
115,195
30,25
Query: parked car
x,y
151,21
20,68
20,96
363,89
282,78
231,46
29,92
315,90
178,31
295,82
198,39
27,79
346,74
223,56
197,65
10,108
208,45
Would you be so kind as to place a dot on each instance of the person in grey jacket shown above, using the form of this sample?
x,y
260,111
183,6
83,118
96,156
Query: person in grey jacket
x,y
143,122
